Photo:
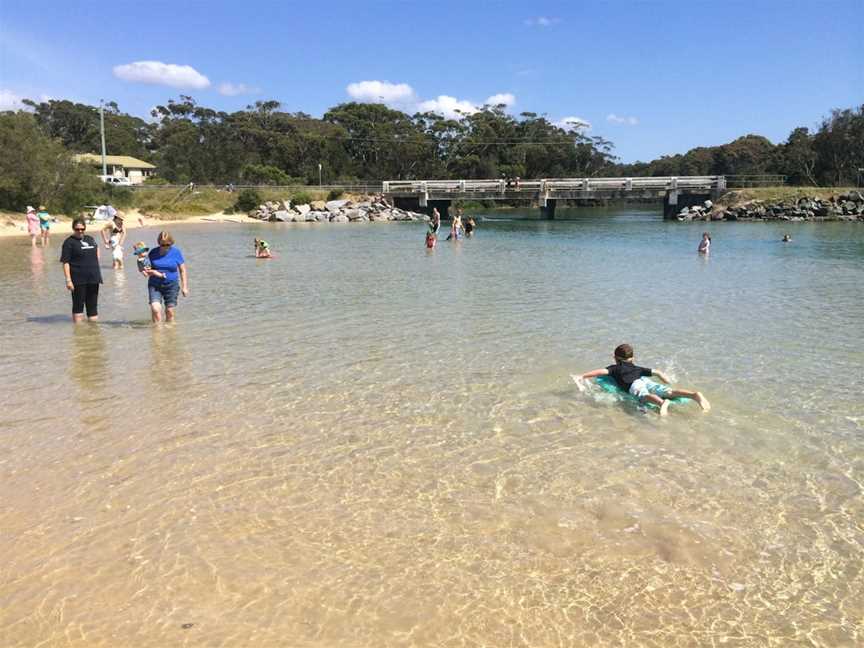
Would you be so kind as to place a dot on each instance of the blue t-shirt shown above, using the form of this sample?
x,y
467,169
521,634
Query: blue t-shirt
x,y
167,263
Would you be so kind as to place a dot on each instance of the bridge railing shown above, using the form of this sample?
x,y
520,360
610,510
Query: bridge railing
x,y
551,185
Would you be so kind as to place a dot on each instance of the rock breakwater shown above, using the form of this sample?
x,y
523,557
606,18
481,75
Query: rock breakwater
x,y
844,207
333,211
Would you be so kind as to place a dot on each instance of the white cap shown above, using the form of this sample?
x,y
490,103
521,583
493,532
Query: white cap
x,y
29,209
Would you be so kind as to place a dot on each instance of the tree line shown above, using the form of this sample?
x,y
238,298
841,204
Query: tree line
x,y
357,142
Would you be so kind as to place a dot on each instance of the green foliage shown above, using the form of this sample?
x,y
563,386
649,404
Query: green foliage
x,y
361,143
301,198
34,169
830,156
77,127
264,174
247,200
335,194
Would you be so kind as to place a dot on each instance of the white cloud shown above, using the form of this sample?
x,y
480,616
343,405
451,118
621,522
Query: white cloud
x,y
505,98
403,97
448,106
234,89
10,100
158,73
542,21
612,118
572,123
381,91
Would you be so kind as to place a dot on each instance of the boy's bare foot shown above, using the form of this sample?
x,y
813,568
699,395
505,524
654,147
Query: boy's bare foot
x,y
664,408
703,402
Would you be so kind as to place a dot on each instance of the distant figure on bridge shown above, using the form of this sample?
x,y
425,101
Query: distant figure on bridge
x,y
704,244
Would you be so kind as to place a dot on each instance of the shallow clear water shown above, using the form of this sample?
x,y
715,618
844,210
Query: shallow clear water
x,y
364,443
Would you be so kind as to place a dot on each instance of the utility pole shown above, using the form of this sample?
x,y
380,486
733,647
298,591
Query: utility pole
x,y
102,129
319,175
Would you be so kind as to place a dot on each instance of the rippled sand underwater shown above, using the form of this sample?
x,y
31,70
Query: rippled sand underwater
x,y
361,443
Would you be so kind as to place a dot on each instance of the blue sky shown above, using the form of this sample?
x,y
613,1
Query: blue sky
x,y
654,77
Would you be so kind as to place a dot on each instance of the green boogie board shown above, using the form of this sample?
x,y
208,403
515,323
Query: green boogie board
x,y
608,384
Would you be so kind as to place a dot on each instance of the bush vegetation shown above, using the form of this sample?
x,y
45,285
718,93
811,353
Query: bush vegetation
x,y
247,200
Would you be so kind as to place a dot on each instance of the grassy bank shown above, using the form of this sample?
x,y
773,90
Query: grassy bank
x,y
169,204
737,197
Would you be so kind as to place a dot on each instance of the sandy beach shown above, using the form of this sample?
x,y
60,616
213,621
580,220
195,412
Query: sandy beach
x,y
12,224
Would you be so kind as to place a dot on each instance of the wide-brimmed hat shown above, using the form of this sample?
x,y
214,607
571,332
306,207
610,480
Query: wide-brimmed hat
x,y
140,248
30,209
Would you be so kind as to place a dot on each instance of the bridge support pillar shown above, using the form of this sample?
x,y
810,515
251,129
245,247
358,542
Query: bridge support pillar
x,y
670,205
548,210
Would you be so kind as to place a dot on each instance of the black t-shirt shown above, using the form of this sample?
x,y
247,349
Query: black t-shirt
x,y
626,373
81,255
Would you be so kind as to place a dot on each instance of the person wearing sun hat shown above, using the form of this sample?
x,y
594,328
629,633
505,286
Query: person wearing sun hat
x,y
32,225
140,250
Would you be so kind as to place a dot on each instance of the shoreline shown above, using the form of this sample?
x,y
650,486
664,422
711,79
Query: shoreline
x,y
12,224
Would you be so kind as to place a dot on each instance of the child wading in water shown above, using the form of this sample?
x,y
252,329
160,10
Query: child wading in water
x,y
704,244
262,249
634,379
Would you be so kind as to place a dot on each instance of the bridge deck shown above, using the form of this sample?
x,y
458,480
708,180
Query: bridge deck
x,y
546,189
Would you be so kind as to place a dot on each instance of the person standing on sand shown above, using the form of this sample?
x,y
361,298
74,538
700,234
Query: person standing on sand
x,y
32,225
166,277
80,259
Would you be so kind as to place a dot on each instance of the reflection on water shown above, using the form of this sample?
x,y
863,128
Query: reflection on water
x,y
362,443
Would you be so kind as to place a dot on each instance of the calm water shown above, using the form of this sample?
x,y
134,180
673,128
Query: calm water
x,y
362,443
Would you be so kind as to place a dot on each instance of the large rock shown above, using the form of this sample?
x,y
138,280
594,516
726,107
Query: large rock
x,y
319,205
310,216
281,216
303,209
322,217
335,205
339,218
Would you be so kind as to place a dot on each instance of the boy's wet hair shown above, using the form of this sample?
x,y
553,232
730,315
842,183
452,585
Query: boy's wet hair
x,y
623,352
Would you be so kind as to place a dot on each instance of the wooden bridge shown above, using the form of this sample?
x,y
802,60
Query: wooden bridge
x,y
676,190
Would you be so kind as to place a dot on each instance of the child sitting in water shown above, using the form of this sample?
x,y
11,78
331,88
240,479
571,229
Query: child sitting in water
x,y
431,239
262,249
634,379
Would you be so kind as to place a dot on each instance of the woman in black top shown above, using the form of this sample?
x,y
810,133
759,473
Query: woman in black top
x,y
80,259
